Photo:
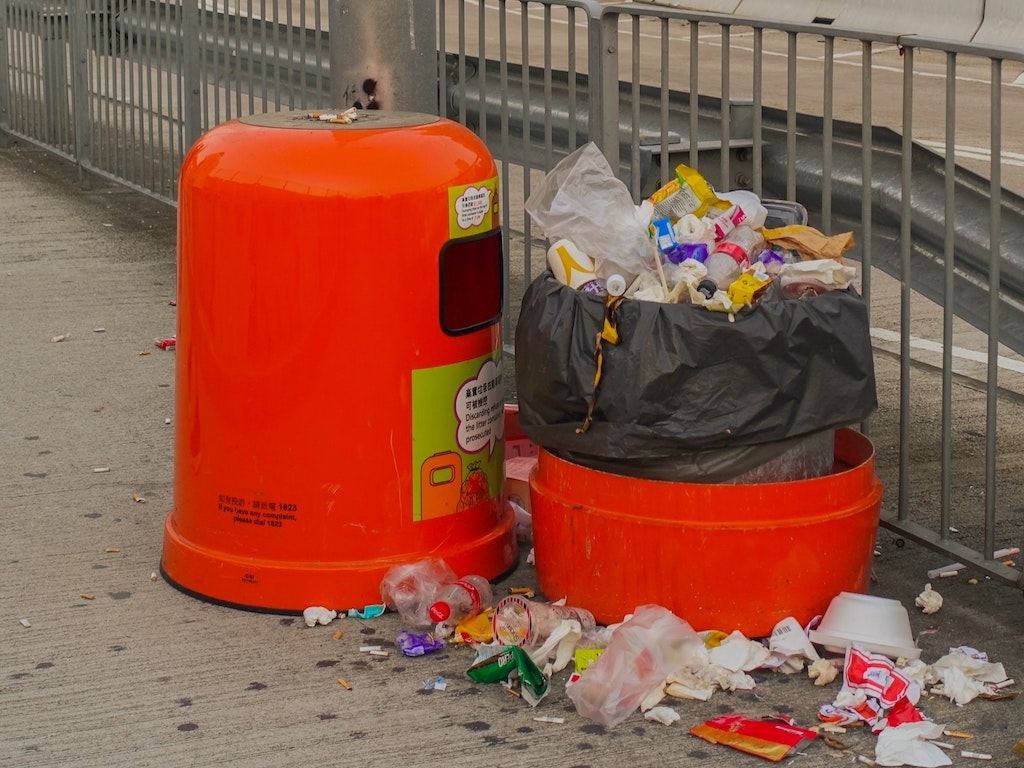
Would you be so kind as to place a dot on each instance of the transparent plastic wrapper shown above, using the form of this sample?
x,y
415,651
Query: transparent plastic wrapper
x,y
689,395
642,653
411,588
581,200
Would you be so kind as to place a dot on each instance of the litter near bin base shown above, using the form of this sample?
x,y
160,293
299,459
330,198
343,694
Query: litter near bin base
x,y
771,740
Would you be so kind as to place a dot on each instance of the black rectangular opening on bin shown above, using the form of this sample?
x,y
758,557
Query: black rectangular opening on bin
x,y
471,283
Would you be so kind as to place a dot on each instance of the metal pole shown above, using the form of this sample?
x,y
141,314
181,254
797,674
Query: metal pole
x,y
5,90
384,55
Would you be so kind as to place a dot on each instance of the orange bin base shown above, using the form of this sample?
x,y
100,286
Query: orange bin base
x,y
725,557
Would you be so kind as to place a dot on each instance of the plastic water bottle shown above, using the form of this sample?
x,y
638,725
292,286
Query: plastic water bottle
x,y
732,255
412,588
462,599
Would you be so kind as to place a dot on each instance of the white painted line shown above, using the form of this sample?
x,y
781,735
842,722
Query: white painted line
x,y
976,153
1005,363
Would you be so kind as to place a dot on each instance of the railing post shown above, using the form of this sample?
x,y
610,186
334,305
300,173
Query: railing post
x,y
384,55
604,93
5,78
191,73
80,113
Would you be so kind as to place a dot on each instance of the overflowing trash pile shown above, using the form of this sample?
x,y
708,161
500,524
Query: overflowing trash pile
x,y
653,661
688,338
686,243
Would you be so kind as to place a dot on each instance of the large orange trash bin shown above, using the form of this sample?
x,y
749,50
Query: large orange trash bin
x,y
339,402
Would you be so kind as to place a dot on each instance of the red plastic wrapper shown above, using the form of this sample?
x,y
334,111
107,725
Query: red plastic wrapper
x,y
166,344
770,740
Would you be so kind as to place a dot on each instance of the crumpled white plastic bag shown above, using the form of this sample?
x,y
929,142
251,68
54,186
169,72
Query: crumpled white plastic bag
x,y
908,744
582,200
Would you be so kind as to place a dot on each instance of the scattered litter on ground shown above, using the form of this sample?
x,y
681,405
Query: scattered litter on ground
x,y
929,601
87,596
25,623
110,550
167,344
101,469
952,569
368,612
138,498
317,614
344,684
59,338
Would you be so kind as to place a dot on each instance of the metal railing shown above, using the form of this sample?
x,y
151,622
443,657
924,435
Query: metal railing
x,y
895,137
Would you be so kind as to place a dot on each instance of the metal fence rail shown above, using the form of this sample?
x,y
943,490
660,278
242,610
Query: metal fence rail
x,y
896,137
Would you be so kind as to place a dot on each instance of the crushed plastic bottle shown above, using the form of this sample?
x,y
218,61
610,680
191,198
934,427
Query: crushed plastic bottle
x,y
412,588
527,623
459,600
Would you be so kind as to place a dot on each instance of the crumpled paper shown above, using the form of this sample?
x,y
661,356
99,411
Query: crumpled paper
x,y
789,647
929,601
828,274
809,242
963,673
822,672
317,614
663,715
909,744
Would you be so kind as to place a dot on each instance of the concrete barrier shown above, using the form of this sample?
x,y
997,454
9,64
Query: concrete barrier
x,y
1003,24
941,19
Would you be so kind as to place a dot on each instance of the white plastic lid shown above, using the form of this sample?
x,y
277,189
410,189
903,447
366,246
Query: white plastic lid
x,y
615,285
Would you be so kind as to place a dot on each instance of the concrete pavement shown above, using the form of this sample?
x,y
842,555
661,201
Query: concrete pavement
x,y
118,668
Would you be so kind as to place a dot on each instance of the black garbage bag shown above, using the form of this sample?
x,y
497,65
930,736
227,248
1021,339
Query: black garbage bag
x,y
688,394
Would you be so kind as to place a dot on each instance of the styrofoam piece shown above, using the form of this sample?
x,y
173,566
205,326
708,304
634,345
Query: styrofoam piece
x,y
876,624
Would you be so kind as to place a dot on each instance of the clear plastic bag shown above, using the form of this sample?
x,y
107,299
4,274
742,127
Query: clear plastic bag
x,y
641,654
582,200
411,588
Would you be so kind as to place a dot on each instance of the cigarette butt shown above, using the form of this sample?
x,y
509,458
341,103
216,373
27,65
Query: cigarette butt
x,y
58,338
521,591
1009,563
138,498
378,653
98,330
1006,683
144,352
101,469
112,549
943,744
368,648
832,728
958,734
947,574
344,684
26,623
549,719
972,582
87,596
152,576
865,760
975,755
337,635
